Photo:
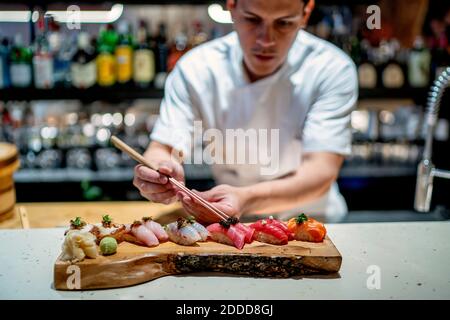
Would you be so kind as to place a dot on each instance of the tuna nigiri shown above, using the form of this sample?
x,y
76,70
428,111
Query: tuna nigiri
x,y
307,229
247,231
226,232
202,231
156,228
182,233
269,233
282,226
143,234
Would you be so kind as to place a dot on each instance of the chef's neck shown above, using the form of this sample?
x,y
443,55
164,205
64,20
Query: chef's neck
x,y
251,77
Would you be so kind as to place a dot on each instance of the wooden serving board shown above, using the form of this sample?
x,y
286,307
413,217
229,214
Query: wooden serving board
x,y
133,264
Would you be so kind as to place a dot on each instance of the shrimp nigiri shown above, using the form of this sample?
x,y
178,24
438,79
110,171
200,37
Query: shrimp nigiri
x,y
156,228
307,229
143,234
182,233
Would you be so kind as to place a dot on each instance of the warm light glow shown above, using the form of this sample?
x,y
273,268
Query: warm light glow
x,y
216,12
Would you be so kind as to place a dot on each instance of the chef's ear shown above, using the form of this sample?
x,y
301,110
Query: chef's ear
x,y
307,10
231,6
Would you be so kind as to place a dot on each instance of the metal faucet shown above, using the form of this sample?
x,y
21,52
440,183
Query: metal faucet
x,y
426,170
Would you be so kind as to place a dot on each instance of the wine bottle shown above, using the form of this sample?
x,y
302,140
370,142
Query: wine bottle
x,y
83,67
143,58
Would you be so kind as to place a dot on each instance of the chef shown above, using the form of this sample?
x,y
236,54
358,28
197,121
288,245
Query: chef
x,y
285,92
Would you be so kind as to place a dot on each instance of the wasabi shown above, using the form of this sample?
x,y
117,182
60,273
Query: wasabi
x,y
108,245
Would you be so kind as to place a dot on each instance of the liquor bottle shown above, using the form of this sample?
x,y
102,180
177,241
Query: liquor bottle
x,y
178,49
62,52
419,62
367,72
106,60
83,68
43,58
4,70
124,54
392,72
143,58
162,52
199,36
20,64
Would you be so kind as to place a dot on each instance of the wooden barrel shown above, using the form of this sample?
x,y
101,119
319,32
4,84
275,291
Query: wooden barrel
x,y
9,163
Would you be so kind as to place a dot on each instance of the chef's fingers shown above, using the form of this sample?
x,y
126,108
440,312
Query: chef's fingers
x,y
159,197
198,210
149,175
149,187
172,169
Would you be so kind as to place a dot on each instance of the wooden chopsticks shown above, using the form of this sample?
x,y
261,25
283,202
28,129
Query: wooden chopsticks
x,y
139,158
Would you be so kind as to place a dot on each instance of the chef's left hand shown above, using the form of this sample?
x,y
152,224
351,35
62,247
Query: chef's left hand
x,y
228,199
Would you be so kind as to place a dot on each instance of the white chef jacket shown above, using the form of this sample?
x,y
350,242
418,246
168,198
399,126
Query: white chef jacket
x,y
308,101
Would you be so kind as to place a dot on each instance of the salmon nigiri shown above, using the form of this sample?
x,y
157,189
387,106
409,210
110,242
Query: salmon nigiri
x,y
307,229
227,232
269,233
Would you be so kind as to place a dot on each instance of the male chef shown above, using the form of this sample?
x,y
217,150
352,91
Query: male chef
x,y
287,91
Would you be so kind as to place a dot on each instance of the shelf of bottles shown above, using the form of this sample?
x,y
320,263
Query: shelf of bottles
x,y
60,102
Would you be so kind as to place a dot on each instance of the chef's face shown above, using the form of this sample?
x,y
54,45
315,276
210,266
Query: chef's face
x,y
266,31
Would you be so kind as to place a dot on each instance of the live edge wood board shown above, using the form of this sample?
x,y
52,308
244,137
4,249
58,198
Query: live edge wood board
x,y
134,264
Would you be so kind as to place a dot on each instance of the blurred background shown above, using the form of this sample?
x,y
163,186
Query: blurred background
x,y
65,90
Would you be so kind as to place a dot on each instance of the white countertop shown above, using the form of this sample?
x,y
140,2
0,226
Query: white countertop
x,y
413,260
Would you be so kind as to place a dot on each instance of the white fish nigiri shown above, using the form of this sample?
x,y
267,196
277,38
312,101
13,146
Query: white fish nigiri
x,y
143,234
156,228
202,231
182,233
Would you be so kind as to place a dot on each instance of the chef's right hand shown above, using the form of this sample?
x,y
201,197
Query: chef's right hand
x,y
154,185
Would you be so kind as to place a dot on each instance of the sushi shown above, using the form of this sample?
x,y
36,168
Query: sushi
x,y
182,232
143,235
269,232
282,226
228,232
202,231
156,228
307,229
247,231
100,230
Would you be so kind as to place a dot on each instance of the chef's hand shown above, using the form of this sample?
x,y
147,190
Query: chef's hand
x,y
156,186
228,199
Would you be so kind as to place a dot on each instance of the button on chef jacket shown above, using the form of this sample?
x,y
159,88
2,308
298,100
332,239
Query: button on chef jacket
x,y
308,101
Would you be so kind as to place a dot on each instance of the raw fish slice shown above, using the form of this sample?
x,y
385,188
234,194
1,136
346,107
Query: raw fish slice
x,y
269,233
156,228
202,231
230,236
282,226
247,231
307,229
186,235
144,235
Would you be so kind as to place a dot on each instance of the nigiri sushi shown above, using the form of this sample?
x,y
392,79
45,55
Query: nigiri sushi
x,y
247,231
202,231
282,226
108,229
307,229
156,228
182,233
226,232
143,234
269,233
